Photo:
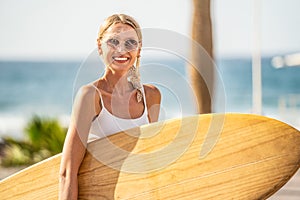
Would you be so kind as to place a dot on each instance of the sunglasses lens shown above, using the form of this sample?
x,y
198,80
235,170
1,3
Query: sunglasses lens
x,y
113,42
131,45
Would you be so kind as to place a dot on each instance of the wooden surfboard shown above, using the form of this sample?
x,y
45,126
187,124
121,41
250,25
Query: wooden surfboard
x,y
212,156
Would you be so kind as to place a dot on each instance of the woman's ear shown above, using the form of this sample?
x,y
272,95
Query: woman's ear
x,y
139,50
139,53
99,47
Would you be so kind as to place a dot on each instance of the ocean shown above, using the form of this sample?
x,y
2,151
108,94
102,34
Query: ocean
x,y
47,89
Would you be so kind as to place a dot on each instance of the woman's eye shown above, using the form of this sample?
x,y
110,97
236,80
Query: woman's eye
x,y
113,42
131,43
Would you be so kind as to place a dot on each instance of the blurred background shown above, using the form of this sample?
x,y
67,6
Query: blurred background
x,y
43,45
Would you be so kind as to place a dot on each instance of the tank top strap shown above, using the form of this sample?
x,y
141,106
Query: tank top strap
x,y
144,98
101,100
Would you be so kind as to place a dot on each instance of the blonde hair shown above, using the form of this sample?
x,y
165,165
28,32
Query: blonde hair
x,y
124,19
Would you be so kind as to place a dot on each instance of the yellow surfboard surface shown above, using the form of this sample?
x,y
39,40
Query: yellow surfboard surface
x,y
211,156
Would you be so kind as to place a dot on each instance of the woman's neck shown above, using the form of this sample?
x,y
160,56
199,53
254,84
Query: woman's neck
x,y
117,83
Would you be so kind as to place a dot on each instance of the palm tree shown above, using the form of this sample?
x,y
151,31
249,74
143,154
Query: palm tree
x,y
202,34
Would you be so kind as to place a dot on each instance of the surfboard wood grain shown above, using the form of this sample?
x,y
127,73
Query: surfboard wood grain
x,y
212,156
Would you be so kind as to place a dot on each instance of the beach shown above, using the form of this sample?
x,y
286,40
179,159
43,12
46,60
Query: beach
x,y
8,171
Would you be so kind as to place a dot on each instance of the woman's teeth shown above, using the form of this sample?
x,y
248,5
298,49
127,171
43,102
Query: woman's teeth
x,y
120,58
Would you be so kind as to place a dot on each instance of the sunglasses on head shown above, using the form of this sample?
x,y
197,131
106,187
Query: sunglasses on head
x,y
129,44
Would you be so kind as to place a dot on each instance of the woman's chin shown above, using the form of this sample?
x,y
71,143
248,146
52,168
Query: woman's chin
x,y
120,67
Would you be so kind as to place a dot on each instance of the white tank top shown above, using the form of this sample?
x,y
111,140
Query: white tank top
x,y
106,124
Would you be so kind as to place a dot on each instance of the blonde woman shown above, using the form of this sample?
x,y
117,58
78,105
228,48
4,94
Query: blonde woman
x,y
115,102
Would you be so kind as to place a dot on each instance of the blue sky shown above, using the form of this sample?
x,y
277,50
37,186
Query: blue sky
x,y
66,29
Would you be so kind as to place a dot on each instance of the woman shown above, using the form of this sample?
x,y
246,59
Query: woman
x,y
115,102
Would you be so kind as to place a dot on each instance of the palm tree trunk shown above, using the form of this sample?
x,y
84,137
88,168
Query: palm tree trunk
x,y
202,34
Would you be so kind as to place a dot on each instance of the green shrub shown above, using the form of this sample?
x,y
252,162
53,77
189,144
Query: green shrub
x,y
45,133
16,155
44,138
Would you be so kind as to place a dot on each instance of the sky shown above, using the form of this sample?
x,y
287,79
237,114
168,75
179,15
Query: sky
x,y
67,29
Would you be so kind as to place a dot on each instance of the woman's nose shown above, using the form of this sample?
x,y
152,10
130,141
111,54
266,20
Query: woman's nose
x,y
121,48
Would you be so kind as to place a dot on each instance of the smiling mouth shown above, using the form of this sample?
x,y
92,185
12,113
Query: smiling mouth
x,y
120,58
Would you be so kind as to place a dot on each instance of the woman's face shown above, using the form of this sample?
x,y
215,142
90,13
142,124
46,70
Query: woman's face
x,y
120,47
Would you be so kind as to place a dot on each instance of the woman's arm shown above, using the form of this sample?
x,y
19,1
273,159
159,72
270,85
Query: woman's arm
x,y
74,149
72,156
153,99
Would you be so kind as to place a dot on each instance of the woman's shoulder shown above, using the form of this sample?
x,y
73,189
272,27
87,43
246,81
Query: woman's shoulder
x,y
151,89
86,96
88,90
152,93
